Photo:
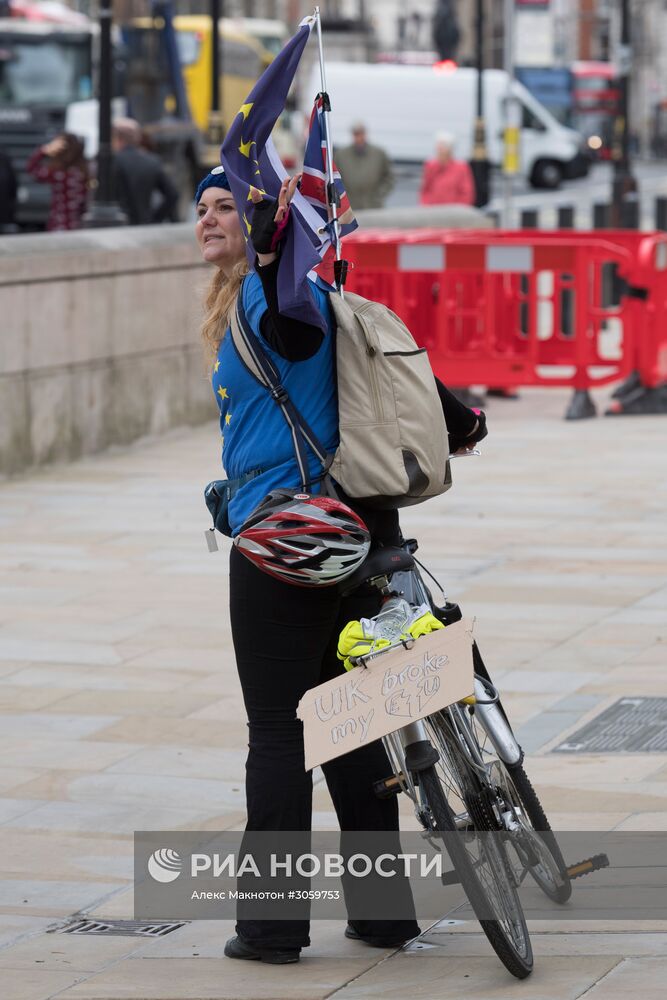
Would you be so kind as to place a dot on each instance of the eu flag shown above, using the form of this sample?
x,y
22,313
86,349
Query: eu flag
x,y
250,160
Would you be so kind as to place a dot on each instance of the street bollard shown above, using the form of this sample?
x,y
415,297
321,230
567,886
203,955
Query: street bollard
x,y
602,220
565,217
566,221
581,405
630,211
567,309
528,219
661,213
601,215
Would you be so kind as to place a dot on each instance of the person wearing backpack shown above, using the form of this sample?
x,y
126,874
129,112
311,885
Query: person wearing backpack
x,y
285,636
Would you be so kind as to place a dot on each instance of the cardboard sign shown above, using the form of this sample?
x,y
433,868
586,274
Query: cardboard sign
x,y
395,688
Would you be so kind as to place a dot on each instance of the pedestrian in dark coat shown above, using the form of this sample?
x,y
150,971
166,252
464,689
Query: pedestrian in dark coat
x,y
142,187
8,187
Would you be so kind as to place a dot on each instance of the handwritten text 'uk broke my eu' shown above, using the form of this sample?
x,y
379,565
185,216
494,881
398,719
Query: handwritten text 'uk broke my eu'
x,y
405,692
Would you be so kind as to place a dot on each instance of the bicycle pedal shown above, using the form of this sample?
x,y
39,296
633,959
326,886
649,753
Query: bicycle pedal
x,y
387,787
593,864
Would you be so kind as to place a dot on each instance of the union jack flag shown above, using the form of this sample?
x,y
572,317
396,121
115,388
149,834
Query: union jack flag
x,y
314,189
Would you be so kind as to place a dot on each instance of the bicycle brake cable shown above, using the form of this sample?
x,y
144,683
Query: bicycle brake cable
x,y
428,572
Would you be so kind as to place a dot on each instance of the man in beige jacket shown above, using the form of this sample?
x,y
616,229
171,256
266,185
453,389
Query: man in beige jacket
x,y
366,171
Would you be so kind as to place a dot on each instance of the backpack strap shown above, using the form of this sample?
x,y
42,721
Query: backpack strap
x,y
261,367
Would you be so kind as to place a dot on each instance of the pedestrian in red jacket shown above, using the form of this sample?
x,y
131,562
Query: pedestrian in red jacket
x,y
446,181
61,164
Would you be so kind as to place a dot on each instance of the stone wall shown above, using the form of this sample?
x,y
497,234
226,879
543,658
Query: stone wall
x,y
99,334
99,341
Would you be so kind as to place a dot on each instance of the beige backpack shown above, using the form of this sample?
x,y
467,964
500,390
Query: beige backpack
x,y
393,449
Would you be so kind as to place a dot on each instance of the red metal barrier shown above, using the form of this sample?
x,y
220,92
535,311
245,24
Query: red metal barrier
x,y
523,308
649,272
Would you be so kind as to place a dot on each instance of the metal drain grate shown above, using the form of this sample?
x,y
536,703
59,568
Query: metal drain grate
x,y
123,928
630,725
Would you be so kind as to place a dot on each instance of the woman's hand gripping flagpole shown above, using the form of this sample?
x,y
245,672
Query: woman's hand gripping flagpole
x,y
340,266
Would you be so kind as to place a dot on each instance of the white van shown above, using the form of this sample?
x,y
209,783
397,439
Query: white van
x,y
404,106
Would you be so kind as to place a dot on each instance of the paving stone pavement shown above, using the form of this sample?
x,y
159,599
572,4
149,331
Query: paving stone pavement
x,y
120,708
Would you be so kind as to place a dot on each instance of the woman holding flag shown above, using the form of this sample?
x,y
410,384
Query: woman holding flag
x,y
285,637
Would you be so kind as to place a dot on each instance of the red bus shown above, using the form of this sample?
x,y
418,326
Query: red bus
x,y
595,99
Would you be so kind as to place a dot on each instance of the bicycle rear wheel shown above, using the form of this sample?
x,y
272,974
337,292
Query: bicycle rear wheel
x,y
484,875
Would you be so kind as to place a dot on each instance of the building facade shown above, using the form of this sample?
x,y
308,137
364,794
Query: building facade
x,y
547,33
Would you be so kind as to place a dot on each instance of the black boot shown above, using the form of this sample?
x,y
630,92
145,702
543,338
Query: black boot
x,y
236,947
375,942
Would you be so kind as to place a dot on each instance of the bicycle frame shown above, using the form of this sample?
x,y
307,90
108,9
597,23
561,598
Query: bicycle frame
x,y
410,584
457,766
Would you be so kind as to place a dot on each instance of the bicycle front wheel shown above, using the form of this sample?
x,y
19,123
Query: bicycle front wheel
x,y
485,877
550,873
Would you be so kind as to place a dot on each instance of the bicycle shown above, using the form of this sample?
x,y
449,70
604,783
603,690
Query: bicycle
x,y
463,770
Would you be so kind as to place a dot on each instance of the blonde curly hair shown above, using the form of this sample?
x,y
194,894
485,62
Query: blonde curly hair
x,y
218,304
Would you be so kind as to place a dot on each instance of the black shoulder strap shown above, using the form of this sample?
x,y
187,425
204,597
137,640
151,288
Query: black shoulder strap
x,y
261,367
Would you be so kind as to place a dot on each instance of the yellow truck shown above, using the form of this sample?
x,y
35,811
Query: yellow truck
x,y
242,61
243,57
248,45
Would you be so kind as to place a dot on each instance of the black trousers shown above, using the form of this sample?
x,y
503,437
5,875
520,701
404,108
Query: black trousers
x,y
285,640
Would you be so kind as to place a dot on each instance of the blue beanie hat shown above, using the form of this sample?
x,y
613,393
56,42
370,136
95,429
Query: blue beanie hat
x,y
216,178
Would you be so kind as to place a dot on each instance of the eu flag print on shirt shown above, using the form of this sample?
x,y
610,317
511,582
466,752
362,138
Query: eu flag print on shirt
x,y
254,432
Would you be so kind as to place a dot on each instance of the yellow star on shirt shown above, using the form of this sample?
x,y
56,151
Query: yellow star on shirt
x,y
228,418
222,392
216,366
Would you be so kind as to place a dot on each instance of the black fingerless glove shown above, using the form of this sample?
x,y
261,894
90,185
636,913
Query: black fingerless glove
x,y
481,431
458,441
266,234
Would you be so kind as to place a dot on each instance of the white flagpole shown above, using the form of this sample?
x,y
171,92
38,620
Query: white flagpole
x,y
331,187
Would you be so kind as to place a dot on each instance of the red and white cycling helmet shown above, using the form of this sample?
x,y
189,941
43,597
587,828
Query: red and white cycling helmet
x,y
304,540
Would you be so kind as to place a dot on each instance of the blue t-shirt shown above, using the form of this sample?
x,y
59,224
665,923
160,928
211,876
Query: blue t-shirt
x,y
255,434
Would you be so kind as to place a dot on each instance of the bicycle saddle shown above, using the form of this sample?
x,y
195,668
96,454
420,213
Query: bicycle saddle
x,y
379,562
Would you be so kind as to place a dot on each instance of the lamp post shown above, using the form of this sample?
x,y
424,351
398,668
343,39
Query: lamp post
x,y
104,210
512,116
215,119
480,165
446,31
624,181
